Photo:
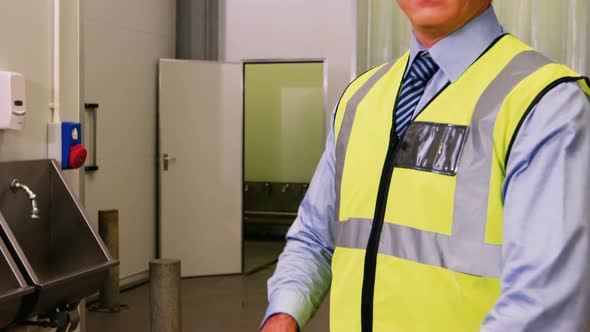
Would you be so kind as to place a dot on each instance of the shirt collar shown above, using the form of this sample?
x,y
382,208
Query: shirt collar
x,y
457,51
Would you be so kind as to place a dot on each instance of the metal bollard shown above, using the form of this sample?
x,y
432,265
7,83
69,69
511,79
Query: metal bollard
x,y
108,228
165,304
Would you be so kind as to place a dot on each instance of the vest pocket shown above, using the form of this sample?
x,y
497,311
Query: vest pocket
x,y
432,147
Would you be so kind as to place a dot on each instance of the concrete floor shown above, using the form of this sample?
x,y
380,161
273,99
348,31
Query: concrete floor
x,y
258,254
228,303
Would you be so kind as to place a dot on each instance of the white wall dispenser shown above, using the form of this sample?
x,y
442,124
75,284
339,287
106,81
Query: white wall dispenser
x,y
12,100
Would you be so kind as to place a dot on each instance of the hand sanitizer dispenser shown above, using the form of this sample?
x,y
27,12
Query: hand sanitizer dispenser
x,y
12,100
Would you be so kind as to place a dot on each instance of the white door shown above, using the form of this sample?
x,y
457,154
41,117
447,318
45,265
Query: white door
x,y
200,135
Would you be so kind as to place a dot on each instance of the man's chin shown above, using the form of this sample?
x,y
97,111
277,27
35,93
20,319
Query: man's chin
x,y
429,19
429,26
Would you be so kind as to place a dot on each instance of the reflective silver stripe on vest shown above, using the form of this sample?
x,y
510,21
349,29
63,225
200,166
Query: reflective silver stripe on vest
x,y
473,177
346,127
423,247
465,250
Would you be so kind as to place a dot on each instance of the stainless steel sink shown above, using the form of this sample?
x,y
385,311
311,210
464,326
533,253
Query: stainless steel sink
x,y
13,288
59,253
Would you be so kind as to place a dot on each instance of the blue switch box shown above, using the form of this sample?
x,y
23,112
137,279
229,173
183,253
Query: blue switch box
x,y
71,135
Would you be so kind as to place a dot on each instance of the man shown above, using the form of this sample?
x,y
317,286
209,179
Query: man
x,y
453,193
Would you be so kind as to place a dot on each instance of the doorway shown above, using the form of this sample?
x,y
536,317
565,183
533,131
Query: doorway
x,y
238,145
283,142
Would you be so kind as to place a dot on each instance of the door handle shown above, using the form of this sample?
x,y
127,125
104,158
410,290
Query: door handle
x,y
92,163
167,160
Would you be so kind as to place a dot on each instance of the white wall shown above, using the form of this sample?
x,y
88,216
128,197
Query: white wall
x,y
122,42
25,32
30,55
255,29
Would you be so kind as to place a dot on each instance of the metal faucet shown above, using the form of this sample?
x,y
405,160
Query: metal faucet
x,y
15,185
284,187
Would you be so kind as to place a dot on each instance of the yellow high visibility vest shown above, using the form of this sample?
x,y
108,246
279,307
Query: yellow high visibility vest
x,y
419,232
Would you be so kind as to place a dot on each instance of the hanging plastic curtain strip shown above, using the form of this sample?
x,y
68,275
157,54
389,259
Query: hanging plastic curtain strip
x,y
382,32
534,24
559,29
362,36
576,34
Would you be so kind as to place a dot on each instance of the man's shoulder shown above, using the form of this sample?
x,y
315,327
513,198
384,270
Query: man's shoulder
x,y
567,91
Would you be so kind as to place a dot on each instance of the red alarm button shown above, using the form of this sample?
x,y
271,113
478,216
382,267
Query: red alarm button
x,y
78,155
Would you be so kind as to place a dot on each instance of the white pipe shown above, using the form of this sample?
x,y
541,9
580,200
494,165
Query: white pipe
x,y
55,104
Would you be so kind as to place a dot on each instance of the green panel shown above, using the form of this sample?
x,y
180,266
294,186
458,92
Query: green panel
x,y
283,121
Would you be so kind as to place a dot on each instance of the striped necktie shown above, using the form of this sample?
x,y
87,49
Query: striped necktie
x,y
413,88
